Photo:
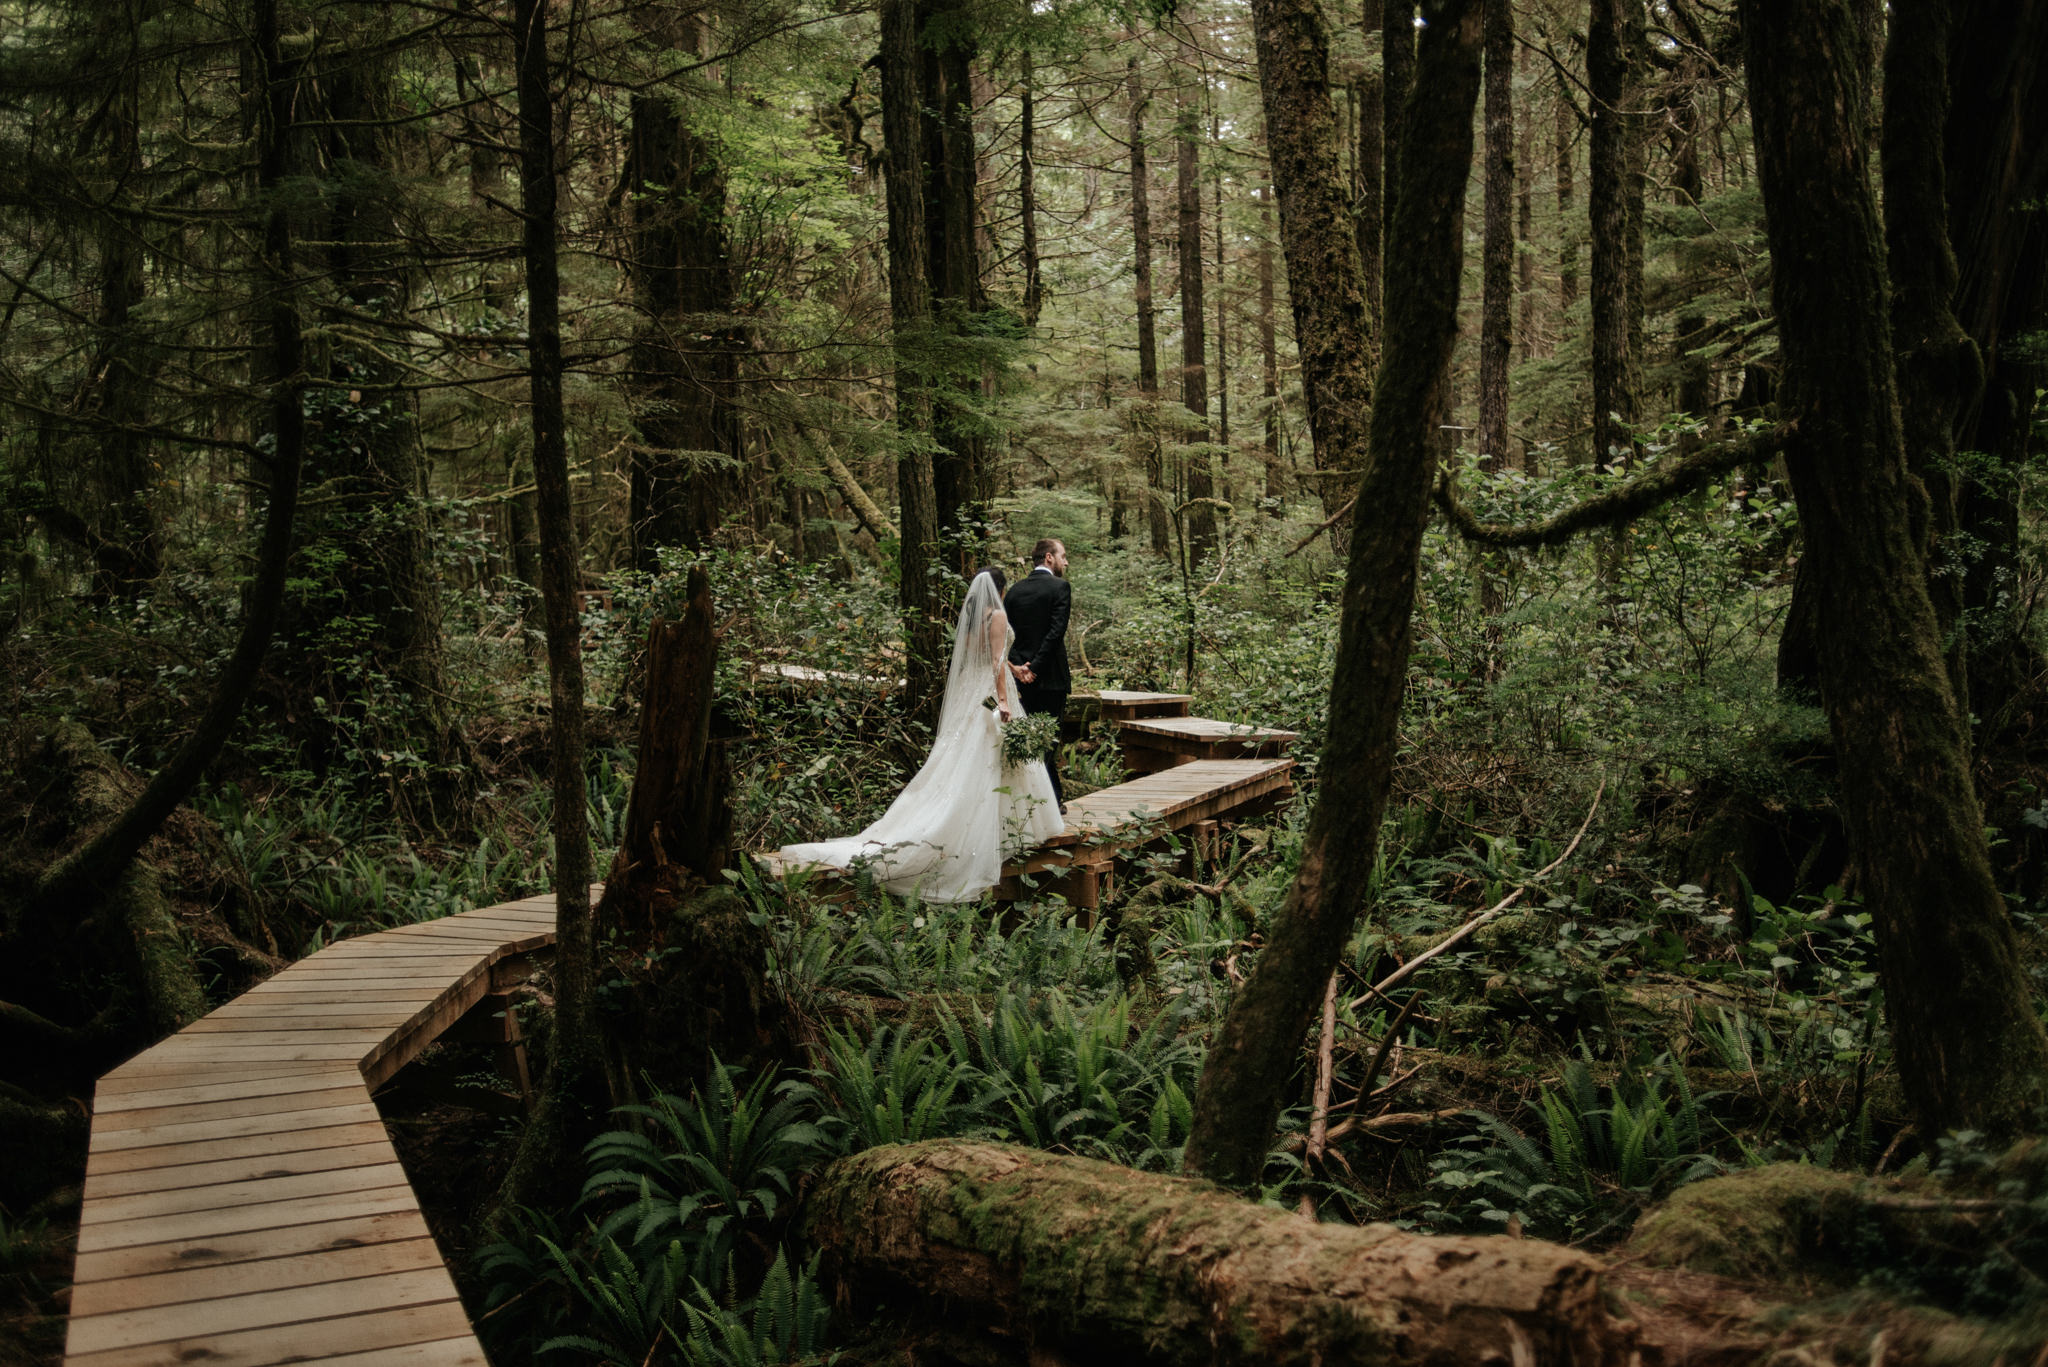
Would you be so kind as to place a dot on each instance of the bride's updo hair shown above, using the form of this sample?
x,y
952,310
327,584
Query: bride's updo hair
x,y
996,576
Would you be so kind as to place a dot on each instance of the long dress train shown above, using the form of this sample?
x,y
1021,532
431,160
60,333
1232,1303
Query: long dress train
x,y
948,832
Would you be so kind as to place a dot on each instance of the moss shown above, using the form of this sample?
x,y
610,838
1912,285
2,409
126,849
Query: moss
x,y
1761,1224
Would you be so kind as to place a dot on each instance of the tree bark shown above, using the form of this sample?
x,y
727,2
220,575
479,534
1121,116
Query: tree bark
x,y
1613,75
1200,519
71,886
1525,224
1938,366
371,522
685,356
1071,1253
574,1094
128,549
1996,158
1222,296
1027,192
1254,1058
960,480
1369,178
1497,251
1564,134
1156,513
1970,1050
910,312
1269,355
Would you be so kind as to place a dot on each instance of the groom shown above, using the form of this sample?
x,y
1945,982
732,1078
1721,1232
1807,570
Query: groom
x,y
1039,605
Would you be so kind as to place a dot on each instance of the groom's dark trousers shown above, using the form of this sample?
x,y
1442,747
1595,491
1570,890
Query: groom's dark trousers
x,y
1039,605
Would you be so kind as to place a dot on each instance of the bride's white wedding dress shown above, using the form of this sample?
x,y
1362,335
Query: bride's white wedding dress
x,y
947,833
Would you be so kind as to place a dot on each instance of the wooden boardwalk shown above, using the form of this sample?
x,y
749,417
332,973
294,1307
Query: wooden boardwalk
x,y
243,1204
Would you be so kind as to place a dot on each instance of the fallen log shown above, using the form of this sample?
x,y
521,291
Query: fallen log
x,y
1096,1262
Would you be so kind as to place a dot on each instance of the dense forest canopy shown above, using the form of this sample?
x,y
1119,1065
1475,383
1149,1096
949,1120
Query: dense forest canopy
x,y
453,452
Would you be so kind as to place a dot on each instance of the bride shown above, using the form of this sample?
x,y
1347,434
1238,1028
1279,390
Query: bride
x,y
947,832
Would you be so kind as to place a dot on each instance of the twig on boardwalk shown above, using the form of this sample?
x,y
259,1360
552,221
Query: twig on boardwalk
x,y
1458,935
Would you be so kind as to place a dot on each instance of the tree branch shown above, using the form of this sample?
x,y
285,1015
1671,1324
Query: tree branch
x,y
1624,502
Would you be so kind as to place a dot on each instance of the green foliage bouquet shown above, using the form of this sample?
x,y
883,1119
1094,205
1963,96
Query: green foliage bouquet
x,y
1030,737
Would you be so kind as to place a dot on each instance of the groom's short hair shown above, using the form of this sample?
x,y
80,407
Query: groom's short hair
x,y
1043,549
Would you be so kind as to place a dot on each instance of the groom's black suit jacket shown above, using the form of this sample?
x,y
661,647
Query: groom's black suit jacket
x,y
1039,605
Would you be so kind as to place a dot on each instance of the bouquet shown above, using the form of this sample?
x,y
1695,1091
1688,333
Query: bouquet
x,y
1030,737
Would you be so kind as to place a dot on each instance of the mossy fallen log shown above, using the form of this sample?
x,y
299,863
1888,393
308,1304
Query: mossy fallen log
x,y
1101,1263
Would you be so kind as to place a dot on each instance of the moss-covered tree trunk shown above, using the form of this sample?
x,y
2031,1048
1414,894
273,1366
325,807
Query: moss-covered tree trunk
x,y
1199,525
371,523
1368,178
1497,251
910,311
1269,357
1157,520
1613,76
1115,1265
1969,1046
1254,1059
1939,369
685,357
947,51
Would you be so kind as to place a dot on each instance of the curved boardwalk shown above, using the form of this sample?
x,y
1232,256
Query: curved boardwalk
x,y
243,1203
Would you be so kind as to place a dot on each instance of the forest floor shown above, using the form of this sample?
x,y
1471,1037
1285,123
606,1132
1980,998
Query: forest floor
x,y
1690,1001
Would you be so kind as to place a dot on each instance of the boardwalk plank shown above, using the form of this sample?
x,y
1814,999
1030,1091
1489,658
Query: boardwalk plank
x,y
166,1176
254,1246
262,1309
307,1341
206,1092
150,1205
211,1224
281,1147
228,1127
195,1284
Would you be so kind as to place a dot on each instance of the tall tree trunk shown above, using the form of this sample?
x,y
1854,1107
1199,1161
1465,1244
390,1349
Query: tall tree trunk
x,y
1027,193
960,481
574,1095
1938,365
685,357
1397,72
1156,513
1970,1049
1222,298
1200,520
1997,164
910,310
1565,133
1269,355
1688,188
372,521
1257,1051
1368,190
73,886
1613,69
1497,251
127,548
1525,224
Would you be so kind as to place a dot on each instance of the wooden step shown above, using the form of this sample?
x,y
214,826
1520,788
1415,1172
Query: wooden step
x,y
1150,744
